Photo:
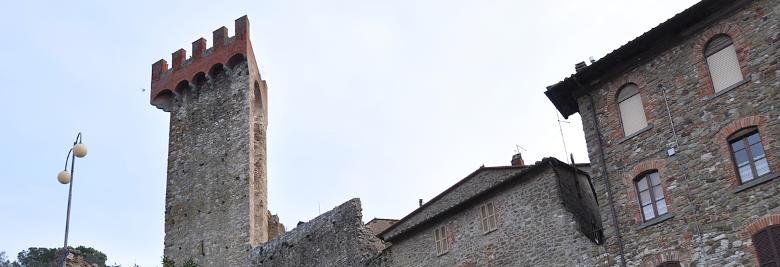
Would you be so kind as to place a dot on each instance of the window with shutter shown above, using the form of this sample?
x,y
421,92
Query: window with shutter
x,y
632,112
767,244
440,238
487,216
723,63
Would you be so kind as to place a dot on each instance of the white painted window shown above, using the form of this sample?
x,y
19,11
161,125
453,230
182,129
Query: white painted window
x,y
440,236
723,63
487,215
632,112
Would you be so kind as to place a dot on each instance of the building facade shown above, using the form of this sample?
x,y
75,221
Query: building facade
x,y
682,127
539,215
216,200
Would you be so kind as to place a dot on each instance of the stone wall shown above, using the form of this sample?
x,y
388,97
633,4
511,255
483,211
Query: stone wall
x,y
533,229
335,238
709,212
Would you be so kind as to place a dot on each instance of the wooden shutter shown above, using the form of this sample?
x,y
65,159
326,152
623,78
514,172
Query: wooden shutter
x,y
767,244
724,68
632,112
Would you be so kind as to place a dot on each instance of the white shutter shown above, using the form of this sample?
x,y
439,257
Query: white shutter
x,y
632,114
724,68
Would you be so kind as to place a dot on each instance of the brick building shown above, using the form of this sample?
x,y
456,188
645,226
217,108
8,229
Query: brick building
x,y
539,215
682,130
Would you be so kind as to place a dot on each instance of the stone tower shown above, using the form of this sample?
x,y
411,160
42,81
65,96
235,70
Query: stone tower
x,y
216,201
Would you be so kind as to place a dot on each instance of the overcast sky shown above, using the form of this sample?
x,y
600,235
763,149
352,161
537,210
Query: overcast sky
x,y
388,101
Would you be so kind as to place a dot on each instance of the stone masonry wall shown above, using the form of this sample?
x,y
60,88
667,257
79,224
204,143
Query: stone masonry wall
x,y
335,238
533,229
210,174
710,215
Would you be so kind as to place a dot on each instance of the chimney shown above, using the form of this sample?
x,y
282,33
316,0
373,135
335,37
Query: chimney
x,y
579,66
421,202
517,160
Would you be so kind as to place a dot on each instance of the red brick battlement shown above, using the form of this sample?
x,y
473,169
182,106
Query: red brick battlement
x,y
186,71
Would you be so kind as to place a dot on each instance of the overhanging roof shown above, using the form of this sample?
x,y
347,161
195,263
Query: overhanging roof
x,y
671,32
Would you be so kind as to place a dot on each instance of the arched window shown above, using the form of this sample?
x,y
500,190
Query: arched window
x,y
723,63
651,195
748,154
767,244
632,112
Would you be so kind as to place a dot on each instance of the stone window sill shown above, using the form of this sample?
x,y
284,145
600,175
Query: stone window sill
x,y
757,181
638,132
655,221
738,84
489,231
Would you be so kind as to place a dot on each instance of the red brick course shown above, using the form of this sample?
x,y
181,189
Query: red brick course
x,y
183,71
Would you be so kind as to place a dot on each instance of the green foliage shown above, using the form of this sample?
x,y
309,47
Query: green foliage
x,y
46,257
170,263
93,256
38,257
166,262
190,263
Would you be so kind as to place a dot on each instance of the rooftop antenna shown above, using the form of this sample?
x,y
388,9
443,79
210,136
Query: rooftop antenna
x,y
560,128
518,148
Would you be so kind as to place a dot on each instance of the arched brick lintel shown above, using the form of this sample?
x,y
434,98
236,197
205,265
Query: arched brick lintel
x,y
741,45
669,255
760,224
638,169
721,138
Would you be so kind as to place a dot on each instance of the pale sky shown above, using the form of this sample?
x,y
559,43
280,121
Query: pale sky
x,y
388,101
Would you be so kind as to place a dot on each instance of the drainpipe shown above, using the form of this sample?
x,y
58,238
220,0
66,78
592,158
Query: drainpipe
x,y
608,185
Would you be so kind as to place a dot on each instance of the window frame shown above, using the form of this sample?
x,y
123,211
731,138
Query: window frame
x,y
651,190
710,51
485,215
742,136
440,240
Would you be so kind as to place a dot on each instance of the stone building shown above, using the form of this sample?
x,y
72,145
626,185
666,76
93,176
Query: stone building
x,y
682,130
543,214
216,201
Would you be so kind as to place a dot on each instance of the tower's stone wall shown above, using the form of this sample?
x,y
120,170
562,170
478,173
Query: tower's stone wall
x,y
216,199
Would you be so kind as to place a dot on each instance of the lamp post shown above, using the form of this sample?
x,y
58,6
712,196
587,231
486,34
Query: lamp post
x,y
65,177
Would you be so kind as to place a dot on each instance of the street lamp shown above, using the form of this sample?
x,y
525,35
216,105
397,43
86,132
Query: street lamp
x,y
65,177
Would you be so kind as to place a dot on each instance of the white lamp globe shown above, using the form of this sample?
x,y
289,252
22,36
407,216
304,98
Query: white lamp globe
x,y
80,150
63,177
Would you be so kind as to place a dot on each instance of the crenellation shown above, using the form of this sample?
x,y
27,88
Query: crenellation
x,y
220,37
203,59
178,57
198,48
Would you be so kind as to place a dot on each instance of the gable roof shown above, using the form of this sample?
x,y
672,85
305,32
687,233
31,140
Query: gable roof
x,y
476,184
671,32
